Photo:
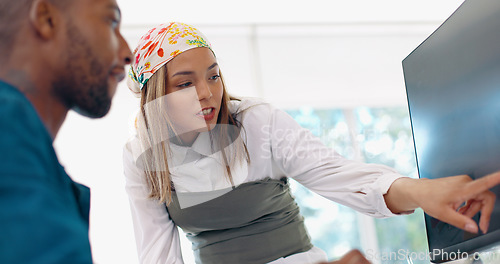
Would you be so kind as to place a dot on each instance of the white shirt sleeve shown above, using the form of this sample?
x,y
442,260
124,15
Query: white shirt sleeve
x,y
157,237
303,157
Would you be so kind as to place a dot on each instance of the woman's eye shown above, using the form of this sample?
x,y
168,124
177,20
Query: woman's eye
x,y
215,77
186,84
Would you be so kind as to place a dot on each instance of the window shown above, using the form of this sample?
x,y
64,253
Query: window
x,y
372,135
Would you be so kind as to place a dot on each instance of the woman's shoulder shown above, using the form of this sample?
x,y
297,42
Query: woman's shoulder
x,y
245,107
255,108
241,104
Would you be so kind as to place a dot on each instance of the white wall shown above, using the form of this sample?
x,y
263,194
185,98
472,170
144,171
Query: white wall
x,y
293,53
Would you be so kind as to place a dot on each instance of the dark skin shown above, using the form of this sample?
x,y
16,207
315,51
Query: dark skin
x,y
54,54
24,67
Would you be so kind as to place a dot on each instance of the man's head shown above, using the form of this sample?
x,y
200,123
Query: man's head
x,y
76,51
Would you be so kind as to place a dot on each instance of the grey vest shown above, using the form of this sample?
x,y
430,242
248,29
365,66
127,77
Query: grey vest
x,y
256,222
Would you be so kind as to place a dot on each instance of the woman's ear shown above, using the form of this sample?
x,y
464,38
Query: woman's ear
x,y
44,17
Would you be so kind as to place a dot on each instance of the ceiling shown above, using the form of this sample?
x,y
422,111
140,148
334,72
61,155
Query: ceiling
x,y
284,11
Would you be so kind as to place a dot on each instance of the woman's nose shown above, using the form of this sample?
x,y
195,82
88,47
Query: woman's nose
x,y
203,90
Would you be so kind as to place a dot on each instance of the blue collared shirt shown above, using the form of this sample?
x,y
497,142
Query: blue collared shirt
x,y
44,215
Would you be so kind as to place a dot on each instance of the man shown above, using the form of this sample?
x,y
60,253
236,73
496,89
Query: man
x,y
56,55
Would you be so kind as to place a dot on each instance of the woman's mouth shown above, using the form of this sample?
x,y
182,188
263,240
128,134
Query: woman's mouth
x,y
207,113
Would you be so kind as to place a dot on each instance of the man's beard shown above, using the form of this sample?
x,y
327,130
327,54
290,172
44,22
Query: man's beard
x,y
83,86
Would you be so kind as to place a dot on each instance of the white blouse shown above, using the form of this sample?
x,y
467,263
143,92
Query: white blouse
x,y
278,147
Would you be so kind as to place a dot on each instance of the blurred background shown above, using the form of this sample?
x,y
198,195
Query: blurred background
x,y
335,66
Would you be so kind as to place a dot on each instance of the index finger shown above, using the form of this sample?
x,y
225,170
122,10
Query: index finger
x,y
482,184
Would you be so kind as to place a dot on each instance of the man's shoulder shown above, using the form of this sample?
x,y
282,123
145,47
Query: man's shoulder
x,y
24,141
33,183
16,110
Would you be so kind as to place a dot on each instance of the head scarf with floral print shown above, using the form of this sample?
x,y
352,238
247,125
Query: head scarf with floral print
x,y
157,47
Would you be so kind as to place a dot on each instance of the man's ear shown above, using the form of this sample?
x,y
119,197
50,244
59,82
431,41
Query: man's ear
x,y
44,17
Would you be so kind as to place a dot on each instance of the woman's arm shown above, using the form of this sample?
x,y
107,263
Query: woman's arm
x,y
303,157
157,237
443,199
373,189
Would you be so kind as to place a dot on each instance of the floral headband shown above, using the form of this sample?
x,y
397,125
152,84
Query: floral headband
x,y
157,47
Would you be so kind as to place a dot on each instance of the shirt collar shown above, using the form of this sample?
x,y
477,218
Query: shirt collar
x,y
201,147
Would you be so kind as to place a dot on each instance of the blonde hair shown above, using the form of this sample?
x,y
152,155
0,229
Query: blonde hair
x,y
154,130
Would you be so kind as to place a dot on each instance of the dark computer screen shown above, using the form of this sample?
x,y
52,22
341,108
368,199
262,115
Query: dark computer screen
x,y
453,89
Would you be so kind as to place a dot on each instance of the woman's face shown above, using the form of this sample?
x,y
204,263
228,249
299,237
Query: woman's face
x,y
194,92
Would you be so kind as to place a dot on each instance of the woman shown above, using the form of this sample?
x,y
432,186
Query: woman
x,y
219,167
